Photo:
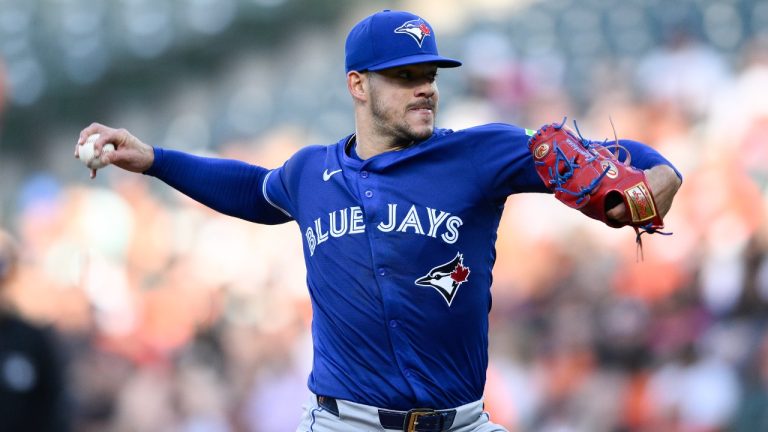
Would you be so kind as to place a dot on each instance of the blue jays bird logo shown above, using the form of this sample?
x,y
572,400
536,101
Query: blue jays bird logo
x,y
417,29
446,278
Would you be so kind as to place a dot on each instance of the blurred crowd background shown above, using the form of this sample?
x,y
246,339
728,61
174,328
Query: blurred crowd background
x,y
175,318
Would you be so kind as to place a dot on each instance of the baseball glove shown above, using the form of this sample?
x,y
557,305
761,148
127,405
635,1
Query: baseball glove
x,y
587,176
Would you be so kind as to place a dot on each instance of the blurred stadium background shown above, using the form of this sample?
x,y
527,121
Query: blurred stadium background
x,y
175,318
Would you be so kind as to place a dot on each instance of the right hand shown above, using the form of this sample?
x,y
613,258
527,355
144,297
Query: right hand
x,y
130,154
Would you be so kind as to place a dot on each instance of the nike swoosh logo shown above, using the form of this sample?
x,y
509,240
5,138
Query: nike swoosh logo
x,y
327,175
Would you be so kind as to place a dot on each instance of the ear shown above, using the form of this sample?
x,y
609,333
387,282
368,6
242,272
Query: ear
x,y
356,84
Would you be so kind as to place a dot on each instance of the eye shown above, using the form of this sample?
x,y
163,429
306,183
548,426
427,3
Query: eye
x,y
405,75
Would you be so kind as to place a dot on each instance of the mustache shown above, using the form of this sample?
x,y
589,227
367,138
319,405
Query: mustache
x,y
423,104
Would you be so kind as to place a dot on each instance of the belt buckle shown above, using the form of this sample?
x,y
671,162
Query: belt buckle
x,y
412,418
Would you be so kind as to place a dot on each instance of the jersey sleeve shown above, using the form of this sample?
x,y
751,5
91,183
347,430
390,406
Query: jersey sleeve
x,y
502,162
231,187
643,157
276,190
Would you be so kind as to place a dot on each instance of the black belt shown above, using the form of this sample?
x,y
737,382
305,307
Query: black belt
x,y
415,420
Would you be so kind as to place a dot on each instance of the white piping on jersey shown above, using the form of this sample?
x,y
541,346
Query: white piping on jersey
x,y
266,196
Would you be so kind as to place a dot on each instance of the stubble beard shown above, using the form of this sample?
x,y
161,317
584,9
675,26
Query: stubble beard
x,y
404,135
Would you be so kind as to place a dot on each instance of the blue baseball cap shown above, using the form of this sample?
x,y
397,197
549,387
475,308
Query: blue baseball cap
x,y
392,38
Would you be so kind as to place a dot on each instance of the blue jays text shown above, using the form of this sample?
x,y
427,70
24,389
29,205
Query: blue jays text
x,y
350,221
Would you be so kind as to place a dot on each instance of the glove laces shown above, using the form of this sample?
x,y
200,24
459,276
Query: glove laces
x,y
563,169
639,231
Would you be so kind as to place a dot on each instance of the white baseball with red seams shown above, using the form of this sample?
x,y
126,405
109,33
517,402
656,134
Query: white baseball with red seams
x,y
85,152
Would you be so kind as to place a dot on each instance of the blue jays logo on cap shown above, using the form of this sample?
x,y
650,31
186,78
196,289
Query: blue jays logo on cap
x,y
377,43
417,29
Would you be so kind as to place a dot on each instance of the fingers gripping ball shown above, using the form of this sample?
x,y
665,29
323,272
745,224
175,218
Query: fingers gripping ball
x,y
86,153
587,176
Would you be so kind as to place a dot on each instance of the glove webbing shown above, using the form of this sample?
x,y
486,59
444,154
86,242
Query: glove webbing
x,y
558,176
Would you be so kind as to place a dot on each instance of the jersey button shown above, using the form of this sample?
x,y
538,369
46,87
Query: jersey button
x,y
382,272
368,193
408,373
364,174
393,323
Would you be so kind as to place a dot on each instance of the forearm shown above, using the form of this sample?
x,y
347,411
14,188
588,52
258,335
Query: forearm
x,y
228,186
664,182
663,178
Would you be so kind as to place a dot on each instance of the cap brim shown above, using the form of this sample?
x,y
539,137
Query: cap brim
x,y
442,62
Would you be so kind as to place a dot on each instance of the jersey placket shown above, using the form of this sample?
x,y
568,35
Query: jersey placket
x,y
372,190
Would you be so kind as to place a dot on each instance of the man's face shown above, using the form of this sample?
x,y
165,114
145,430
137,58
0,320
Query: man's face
x,y
403,101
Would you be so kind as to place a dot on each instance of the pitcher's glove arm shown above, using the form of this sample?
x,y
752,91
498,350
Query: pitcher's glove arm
x,y
589,176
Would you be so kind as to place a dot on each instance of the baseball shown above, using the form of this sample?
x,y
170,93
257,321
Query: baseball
x,y
85,152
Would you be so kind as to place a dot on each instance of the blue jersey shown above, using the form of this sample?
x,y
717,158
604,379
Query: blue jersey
x,y
399,251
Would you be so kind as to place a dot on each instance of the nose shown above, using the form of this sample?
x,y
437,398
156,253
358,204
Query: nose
x,y
425,89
